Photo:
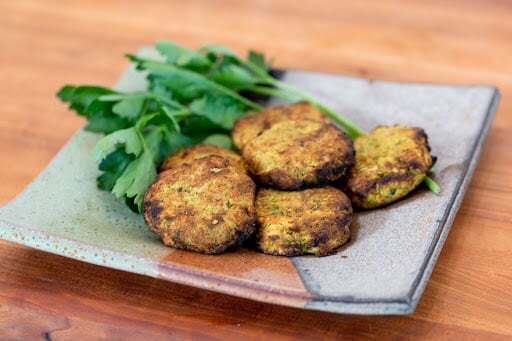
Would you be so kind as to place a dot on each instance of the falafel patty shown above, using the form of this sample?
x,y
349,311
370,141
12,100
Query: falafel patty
x,y
250,126
198,151
313,221
206,205
296,154
390,162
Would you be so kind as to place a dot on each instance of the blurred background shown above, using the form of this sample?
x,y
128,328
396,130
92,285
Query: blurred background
x,y
45,44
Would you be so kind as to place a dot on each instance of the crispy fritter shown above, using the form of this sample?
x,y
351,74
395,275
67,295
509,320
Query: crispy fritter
x,y
313,221
249,127
390,162
186,155
206,205
296,154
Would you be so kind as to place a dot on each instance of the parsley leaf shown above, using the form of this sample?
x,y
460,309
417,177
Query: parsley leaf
x,y
113,167
233,76
180,56
136,178
258,59
154,138
197,128
172,141
130,107
216,50
105,123
128,138
80,97
221,110
221,140
188,85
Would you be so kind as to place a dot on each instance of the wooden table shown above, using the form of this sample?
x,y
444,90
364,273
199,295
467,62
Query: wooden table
x,y
45,44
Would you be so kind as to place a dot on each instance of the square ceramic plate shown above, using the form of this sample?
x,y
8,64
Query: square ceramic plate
x,y
383,270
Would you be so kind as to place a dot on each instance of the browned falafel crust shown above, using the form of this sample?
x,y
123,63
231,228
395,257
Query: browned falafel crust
x,y
249,127
390,162
206,206
297,154
313,221
188,154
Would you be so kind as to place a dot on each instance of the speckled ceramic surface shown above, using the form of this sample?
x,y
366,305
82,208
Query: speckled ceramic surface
x,y
383,270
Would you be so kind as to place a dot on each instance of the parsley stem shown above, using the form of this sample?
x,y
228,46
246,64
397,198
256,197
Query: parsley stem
x,y
172,117
168,68
352,130
432,185
350,127
263,74
168,101
142,94
271,91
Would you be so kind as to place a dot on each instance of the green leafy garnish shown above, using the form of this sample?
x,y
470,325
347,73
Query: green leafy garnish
x,y
181,56
136,178
128,138
258,59
112,167
220,109
130,107
192,97
221,140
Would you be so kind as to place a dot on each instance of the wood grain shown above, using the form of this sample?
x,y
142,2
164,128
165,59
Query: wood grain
x,y
48,43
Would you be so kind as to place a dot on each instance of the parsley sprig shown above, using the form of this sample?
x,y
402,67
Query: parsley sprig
x,y
192,97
